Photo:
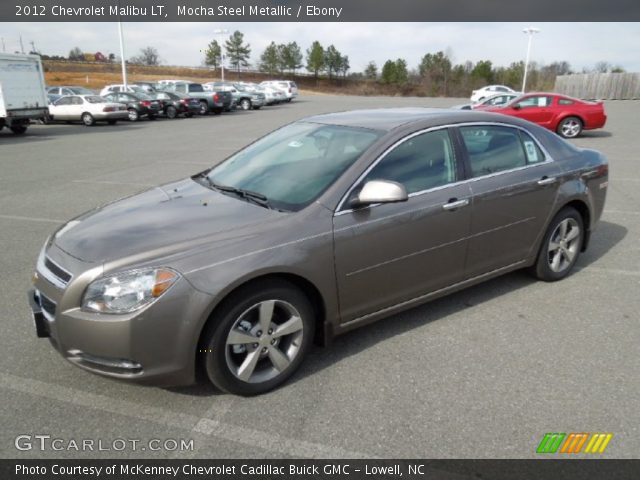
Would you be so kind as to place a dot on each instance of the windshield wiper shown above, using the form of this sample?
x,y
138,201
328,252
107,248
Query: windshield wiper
x,y
255,197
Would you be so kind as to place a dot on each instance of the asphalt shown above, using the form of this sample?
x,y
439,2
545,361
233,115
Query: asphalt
x,y
483,373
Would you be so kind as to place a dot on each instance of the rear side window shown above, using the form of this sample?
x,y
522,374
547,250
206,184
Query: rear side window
x,y
531,149
493,149
565,101
419,163
194,87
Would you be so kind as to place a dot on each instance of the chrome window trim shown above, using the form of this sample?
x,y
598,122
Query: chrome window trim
x,y
547,156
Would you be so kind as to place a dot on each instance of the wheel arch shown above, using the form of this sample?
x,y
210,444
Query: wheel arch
x,y
308,288
562,116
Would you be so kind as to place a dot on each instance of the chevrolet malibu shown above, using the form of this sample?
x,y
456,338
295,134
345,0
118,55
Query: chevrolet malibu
x,y
322,226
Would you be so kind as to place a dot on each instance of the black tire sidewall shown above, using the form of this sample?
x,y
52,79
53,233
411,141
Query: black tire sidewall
x,y
90,122
214,344
172,112
542,269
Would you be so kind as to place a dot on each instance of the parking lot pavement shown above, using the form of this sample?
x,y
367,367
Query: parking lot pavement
x,y
482,373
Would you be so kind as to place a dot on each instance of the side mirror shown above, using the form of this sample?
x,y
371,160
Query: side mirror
x,y
517,106
380,191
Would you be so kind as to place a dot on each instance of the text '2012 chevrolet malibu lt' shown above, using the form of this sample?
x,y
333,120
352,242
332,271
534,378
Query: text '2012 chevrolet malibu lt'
x,y
322,226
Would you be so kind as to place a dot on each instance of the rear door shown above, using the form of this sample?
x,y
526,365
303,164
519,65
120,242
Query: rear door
x,y
390,253
514,185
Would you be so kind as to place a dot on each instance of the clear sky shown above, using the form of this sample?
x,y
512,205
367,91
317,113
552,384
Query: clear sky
x,y
581,44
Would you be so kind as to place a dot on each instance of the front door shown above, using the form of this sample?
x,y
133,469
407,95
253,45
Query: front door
x,y
390,253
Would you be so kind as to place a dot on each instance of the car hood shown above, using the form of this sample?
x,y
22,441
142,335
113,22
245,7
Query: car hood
x,y
163,219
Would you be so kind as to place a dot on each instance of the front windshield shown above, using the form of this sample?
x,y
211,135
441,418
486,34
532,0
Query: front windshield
x,y
292,166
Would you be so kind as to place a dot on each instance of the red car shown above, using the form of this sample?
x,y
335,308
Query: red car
x,y
565,115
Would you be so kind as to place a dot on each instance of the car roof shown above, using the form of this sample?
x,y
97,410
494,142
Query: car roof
x,y
391,118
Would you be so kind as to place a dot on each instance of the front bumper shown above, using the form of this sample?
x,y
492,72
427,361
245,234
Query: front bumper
x,y
155,345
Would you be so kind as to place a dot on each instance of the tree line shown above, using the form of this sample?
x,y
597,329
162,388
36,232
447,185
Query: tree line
x,y
436,74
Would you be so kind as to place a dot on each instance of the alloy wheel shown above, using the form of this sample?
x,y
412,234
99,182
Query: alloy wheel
x,y
563,245
263,341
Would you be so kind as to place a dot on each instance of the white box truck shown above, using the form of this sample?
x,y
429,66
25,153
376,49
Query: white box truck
x,y
22,91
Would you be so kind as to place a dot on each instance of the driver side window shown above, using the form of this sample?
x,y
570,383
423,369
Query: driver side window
x,y
419,163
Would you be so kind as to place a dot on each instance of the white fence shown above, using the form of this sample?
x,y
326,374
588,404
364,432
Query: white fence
x,y
604,86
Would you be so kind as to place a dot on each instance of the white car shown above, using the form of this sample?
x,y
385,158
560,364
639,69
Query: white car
x,y
272,96
488,91
131,88
289,88
88,109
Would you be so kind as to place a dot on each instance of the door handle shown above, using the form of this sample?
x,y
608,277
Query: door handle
x,y
454,204
547,180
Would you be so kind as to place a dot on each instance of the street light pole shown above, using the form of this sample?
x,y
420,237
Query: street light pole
x,y
530,31
220,32
124,66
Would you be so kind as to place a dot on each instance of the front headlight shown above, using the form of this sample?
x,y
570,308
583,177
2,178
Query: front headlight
x,y
129,291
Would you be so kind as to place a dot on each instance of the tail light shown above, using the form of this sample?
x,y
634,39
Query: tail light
x,y
183,101
216,98
289,89
108,109
145,103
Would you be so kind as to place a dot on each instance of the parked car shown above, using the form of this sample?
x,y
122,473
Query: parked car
x,y
489,90
138,105
130,88
242,97
69,90
492,101
289,87
87,109
149,87
565,115
173,104
215,102
324,225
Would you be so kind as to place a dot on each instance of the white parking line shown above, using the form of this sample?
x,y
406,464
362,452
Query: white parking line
x,y
31,219
247,436
617,271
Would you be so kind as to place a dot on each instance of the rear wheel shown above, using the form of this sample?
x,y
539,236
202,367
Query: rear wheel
x,y
88,119
204,108
560,247
570,127
258,338
133,115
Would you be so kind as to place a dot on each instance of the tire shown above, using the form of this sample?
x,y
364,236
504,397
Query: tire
x,y
570,127
18,129
172,112
112,122
257,108
560,247
134,116
204,108
282,303
88,119
152,116
245,104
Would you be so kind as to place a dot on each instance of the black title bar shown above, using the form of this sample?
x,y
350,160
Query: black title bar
x,y
318,10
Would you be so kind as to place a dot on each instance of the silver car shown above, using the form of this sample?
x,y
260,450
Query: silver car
x,y
322,226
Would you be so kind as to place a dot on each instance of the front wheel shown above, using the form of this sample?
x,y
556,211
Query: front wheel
x,y
570,127
560,247
245,104
172,112
133,115
259,338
